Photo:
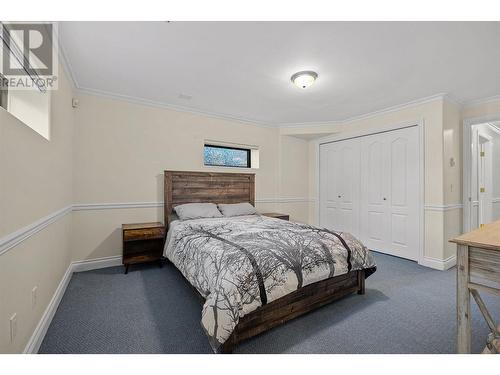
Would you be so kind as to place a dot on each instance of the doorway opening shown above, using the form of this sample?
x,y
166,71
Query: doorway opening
x,y
484,168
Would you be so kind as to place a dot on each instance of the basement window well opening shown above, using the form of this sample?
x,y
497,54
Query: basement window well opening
x,y
225,155
31,107
23,93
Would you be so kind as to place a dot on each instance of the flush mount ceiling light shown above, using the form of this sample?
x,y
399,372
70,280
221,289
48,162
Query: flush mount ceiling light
x,y
304,79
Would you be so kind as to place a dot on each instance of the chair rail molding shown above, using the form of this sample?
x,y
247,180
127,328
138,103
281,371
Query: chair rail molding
x,y
443,207
10,241
116,205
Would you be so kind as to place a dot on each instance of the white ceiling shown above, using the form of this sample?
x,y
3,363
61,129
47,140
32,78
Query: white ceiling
x,y
242,69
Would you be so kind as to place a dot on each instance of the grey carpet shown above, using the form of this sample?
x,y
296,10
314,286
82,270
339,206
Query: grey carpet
x,y
406,309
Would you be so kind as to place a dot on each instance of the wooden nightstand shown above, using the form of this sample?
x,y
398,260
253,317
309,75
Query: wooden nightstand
x,y
277,215
142,243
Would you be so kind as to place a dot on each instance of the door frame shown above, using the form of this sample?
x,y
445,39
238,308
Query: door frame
x,y
488,187
358,133
466,166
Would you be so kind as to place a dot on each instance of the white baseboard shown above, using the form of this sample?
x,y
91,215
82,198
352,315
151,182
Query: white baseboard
x,y
95,264
43,325
36,338
439,264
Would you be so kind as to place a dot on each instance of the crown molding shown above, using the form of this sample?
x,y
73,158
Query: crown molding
x,y
452,99
396,108
63,58
172,107
142,101
478,102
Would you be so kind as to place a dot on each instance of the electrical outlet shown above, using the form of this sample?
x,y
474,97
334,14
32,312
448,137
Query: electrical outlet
x,y
13,327
34,296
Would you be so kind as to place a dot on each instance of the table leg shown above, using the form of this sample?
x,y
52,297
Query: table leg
x,y
463,300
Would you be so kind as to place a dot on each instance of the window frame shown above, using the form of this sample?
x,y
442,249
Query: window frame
x,y
248,152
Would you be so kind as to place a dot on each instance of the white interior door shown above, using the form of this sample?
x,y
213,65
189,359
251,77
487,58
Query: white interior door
x,y
329,209
348,185
374,215
403,192
339,186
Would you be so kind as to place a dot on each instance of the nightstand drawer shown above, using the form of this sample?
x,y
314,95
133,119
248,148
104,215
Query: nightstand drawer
x,y
142,234
149,246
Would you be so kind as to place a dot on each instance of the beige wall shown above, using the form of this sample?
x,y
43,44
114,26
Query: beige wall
x,y
294,178
35,181
122,149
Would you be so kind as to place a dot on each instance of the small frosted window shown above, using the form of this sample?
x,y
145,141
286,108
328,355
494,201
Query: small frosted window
x,y
222,156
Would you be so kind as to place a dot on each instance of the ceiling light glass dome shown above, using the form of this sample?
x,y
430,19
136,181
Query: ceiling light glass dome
x,y
304,79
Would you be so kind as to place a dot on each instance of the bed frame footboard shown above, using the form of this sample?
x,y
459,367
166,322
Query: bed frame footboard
x,y
295,304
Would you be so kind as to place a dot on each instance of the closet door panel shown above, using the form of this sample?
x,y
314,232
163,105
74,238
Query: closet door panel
x,y
373,213
399,190
399,168
348,179
332,207
339,186
329,210
404,179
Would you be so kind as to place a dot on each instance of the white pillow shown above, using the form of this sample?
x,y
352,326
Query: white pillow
x,y
197,211
237,209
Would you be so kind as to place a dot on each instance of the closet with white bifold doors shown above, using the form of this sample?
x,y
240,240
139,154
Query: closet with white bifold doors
x,y
369,186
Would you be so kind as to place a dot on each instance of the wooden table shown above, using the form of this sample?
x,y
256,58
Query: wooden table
x,y
478,269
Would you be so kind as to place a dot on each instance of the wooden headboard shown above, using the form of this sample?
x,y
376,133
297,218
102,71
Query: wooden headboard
x,y
209,187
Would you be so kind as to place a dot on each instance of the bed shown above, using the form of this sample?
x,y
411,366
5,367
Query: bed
x,y
252,272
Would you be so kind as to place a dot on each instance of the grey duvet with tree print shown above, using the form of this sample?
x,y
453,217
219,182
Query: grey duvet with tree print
x,y
241,263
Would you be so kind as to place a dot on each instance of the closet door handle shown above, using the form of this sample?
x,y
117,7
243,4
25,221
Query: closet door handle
x,y
340,196
385,199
